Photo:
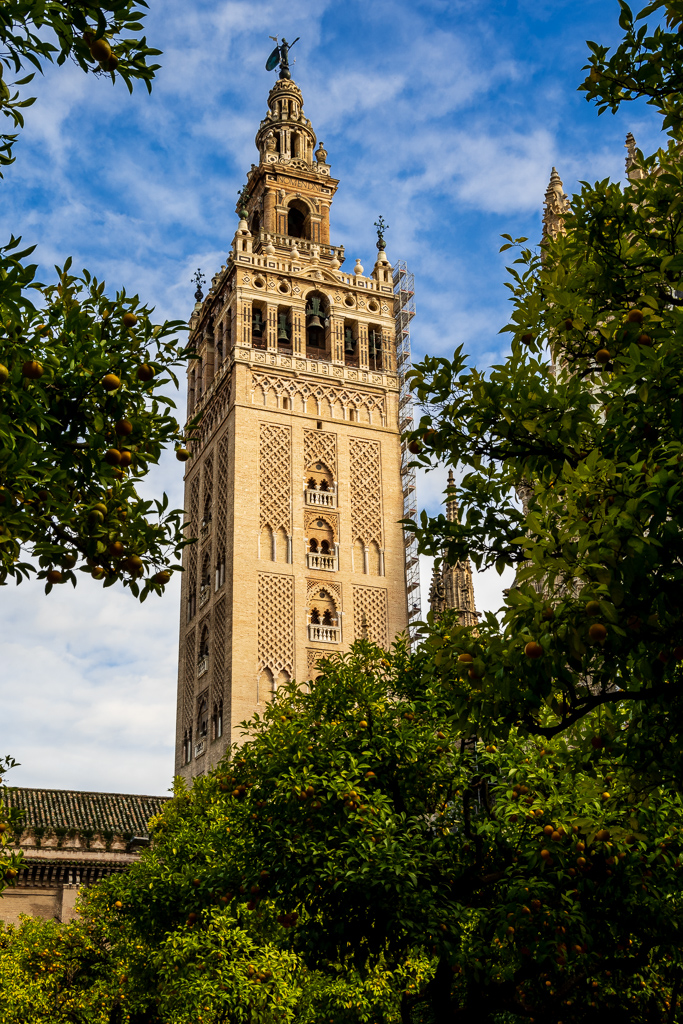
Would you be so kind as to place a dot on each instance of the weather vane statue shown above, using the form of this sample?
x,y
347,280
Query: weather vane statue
x,y
280,55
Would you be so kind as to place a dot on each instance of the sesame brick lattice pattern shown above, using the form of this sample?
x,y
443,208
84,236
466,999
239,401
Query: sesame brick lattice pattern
x,y
222,490
276,624
370,614
322,399
366,491
218,651
319,446
188,680
275,475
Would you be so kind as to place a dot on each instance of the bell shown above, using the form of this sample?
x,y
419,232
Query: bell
x,y
256,322
282,334
315,322
374,343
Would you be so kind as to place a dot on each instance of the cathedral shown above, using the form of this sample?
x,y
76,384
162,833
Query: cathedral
x,y
294,489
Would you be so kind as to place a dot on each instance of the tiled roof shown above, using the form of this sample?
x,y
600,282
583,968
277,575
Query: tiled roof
x,y
120,813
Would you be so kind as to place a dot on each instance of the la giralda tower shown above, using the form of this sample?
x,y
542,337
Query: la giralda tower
x,y
294,487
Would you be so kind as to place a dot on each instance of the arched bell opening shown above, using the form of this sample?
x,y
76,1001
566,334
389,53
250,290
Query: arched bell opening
x,y
284,329
205,579
323,617
259,328
255,225
375,347
187,746
317,326
351,346
298,219
220,568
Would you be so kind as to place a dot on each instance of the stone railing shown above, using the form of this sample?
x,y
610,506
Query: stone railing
x,y
318,561
324,634
324,499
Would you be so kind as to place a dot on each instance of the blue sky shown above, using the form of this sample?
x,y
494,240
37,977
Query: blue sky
x,y
445,117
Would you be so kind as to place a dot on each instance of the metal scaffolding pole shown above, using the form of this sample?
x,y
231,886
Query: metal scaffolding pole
x,y
404,311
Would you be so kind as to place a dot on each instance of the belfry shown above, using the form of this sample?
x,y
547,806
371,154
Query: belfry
x,y
294,489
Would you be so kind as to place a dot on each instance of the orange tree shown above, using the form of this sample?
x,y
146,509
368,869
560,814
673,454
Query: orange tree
x,y
358,830
83,408
571,448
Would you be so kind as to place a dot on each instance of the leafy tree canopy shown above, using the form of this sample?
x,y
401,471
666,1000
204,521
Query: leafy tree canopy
x,y
83,375
571,449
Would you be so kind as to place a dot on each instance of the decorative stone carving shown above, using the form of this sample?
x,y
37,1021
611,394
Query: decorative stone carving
x,y
276,624
366,492
320,446
370,614
275,477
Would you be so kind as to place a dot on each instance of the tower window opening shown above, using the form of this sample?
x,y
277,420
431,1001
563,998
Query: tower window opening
x,y
191,604
313,545
317,323
315,617
375,348
258,328
187,746
298,220
350,344
217,721
255,223
284,330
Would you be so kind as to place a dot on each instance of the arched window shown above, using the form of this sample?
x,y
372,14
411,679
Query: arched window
x,y
187,746
317,323
266,686
298,220
359,556
324,547
281,545
202,718
266,545
191,603
256,223
327,618
206,570
258,327
374,560
315,617
313,545
204,644
220,568
217,721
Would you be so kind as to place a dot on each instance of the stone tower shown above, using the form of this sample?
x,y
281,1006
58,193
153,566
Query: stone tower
x,y
294,488
452,585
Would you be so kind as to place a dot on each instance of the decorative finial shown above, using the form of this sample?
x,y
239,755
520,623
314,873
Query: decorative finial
x,y
280,55
321,153
381,228
242,200
199,280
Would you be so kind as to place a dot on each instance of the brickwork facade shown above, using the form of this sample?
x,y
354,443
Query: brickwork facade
x,y
294,487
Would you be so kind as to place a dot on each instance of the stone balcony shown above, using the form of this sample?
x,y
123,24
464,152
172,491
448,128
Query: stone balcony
x,y
329,563
324,634
322,499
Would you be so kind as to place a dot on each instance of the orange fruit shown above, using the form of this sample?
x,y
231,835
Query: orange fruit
x,y
54,576
4,373
145,371
602,355
129,319
533,650
113,457
32,369
126,458
182,454
123,428
635,316
465,658
100,49
597,632
111,382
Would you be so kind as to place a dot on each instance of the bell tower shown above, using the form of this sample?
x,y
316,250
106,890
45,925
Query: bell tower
x,y
294,487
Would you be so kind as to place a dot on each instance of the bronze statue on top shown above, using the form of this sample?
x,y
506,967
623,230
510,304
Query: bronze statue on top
x,y
280,55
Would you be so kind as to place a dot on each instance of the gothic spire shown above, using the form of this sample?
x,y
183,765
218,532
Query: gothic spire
x,y
556,207
452,585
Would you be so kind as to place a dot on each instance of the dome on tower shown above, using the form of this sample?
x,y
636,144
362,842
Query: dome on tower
x,y
285,136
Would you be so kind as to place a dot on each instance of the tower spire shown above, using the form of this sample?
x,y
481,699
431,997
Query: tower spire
x,y
556,207
452,586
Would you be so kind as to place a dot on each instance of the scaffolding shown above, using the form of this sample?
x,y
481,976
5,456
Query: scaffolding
x,y
404,311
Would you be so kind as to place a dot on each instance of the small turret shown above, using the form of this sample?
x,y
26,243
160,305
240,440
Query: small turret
x,y
633,173
557,207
